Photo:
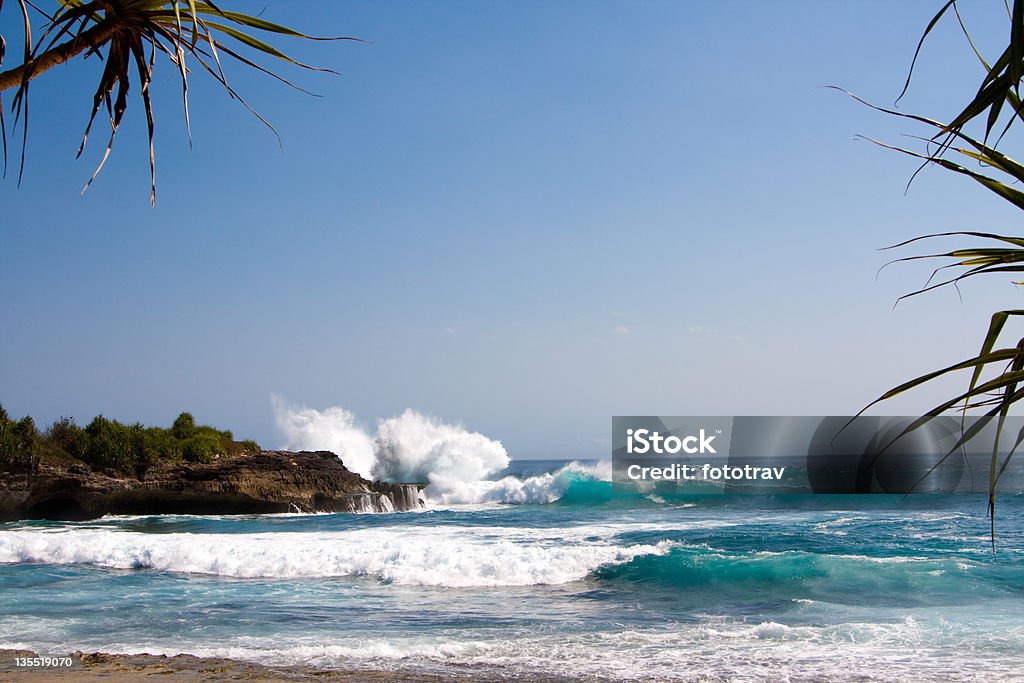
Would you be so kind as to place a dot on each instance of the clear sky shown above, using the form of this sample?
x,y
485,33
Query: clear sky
x,y
525,217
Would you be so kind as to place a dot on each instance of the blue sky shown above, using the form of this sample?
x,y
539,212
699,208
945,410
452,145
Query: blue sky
x,y
522,216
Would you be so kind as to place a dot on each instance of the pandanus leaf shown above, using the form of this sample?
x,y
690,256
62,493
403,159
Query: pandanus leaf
x,y
133,32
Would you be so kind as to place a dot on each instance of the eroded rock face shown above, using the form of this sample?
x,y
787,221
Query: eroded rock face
x,y
270,482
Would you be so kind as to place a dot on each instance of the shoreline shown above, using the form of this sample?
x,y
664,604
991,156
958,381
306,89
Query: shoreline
x,y
186,668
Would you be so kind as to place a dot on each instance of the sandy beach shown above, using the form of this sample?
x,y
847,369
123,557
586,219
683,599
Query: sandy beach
x,y
97,666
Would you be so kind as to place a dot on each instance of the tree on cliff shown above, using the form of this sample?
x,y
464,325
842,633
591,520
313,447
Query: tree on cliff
x,y
127,36
19,442
184,426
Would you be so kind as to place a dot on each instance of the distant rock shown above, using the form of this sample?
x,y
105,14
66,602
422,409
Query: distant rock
x,y
270,482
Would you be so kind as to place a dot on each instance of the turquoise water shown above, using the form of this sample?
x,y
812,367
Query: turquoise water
x,y
588,586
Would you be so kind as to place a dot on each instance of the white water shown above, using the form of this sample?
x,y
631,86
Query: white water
x,y
714,650
423,556
539,489
456,464
334,429
449,593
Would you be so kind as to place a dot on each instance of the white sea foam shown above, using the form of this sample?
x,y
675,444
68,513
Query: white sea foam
x,y
714,649
414,447
457,465
408,556
538,489
334,429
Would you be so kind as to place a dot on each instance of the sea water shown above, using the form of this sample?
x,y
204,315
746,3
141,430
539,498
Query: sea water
x,y
579,583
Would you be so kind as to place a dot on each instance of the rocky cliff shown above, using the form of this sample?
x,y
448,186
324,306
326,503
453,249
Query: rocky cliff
x,y
272,481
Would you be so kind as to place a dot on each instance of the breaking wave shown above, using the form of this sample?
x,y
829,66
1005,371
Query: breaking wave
x,y
506,556
426,557
459,466
334,429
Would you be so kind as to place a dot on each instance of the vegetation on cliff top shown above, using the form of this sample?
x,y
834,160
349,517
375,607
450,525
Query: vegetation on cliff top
x,y
111,447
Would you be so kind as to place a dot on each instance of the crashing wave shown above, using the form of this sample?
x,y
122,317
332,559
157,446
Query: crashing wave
x,y
458,466
399,555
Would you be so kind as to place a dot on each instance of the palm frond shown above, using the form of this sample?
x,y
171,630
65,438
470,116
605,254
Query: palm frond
x,y
995,376
3,125
127,34
1001,82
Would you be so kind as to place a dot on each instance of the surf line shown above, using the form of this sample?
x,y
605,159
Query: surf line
x,y
680,472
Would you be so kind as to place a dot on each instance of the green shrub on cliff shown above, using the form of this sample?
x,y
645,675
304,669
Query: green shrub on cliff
x,y
19,442
184,426
66,436
133,449
203,448
109,446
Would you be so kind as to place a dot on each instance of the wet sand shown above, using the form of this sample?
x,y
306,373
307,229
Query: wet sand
x,y
94,667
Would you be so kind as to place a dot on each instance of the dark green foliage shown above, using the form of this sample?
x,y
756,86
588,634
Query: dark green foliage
x,y
184,426
111,447
108,446
202,448
27,435
19,442
66,436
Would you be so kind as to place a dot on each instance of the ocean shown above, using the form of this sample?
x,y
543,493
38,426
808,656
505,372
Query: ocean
x,y
568,579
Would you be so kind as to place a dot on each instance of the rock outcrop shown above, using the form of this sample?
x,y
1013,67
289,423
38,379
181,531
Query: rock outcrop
x,y
270,482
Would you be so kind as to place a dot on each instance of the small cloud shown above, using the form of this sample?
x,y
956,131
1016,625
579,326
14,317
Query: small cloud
x,y
736,338
449,330
700,330
623,331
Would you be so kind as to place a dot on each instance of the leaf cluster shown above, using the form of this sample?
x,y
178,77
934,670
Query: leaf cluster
x,y
128,36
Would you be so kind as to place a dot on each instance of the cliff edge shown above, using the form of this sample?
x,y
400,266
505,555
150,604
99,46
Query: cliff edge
x,y
267,482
